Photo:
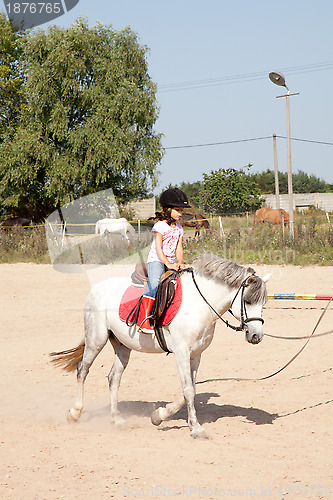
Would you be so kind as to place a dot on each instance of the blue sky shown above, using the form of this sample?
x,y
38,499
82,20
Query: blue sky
x,y
193,41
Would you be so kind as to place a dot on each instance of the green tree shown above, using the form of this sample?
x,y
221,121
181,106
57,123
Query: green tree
x,y
266,181
305,183
229,190
12,77
302,182
192,191
88,124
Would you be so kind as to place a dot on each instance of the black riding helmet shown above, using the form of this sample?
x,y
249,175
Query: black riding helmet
x,y
174,197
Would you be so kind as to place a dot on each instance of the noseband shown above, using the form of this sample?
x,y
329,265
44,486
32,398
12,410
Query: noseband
x,y
244,316
244,319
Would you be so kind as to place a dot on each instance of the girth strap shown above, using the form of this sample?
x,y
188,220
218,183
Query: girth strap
x,y
160,338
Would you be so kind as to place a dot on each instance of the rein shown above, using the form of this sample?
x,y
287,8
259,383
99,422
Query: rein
x,y
242,326
244,317
283,367
303,337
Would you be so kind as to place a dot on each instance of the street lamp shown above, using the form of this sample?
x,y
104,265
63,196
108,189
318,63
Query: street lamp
x,y
279,79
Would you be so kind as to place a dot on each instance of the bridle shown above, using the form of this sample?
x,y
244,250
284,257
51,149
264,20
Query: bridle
x,y
244,319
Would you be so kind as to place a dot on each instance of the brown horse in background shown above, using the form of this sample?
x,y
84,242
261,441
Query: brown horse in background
x,y
17,221
194,220
271,215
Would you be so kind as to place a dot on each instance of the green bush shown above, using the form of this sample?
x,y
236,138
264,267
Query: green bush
x,y
312,243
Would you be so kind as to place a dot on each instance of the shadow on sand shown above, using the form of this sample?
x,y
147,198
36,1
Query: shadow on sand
x,y
207,411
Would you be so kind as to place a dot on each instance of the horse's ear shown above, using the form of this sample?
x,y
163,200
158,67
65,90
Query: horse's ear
x,y
266,277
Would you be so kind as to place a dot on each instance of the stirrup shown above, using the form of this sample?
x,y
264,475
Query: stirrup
x,y
145,330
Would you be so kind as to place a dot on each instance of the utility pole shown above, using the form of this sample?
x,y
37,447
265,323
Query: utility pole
x,y
276,175
279,79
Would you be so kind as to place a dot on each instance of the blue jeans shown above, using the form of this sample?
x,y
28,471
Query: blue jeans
x,y
155,271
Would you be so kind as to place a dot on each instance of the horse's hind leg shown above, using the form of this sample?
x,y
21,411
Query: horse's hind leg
x,y
122,355
83,367
96,336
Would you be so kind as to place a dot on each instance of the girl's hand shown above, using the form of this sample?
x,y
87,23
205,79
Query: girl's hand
x,y
175,267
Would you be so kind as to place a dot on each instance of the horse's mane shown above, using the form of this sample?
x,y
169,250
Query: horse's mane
x,y
214,267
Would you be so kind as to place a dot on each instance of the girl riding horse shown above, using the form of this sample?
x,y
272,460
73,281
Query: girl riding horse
x,y
166,248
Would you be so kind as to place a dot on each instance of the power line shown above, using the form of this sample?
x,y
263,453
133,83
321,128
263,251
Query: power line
x,y
306,140
247,140
219,143
8,149
242,78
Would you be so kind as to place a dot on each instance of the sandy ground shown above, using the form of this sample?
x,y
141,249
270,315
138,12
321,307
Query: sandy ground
x,y
271,438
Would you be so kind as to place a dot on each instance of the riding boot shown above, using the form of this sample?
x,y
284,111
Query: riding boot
x,y
144,313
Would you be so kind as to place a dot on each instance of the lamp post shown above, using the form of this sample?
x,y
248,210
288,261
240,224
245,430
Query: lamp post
x,y
279,79
276,175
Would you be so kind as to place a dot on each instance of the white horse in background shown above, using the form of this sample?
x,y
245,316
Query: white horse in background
x,y
215,286
121,226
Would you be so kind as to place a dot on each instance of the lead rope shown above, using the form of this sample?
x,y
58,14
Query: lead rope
x,y
285,366
302,337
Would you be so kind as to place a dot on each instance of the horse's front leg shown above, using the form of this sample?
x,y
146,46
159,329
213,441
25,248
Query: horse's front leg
x,y
162,413
187,377
188,382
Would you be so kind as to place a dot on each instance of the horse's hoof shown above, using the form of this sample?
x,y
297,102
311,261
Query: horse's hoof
x,y
72,418
118,422
155,418
199,433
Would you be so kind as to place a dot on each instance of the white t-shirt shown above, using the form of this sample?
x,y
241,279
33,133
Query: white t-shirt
x,y
170,238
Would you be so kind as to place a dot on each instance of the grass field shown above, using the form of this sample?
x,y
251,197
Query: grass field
x,y
231,237
234,238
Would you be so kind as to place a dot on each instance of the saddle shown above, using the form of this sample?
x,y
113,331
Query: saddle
x,y
139,276
167,301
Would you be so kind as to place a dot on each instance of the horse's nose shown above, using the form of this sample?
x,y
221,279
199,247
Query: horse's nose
x,y
255,339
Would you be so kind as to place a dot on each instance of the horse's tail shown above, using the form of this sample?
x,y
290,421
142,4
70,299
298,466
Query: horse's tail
x,y
68,360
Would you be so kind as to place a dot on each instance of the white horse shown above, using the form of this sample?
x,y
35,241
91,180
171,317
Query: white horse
x,y
218,285
121,226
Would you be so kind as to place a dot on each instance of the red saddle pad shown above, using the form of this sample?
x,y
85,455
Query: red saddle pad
x,y
132,295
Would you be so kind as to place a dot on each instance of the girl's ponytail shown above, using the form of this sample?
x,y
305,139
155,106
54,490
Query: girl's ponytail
x,y
164,215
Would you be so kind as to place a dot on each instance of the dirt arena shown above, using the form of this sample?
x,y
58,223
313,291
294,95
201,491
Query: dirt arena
x,y
270,438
